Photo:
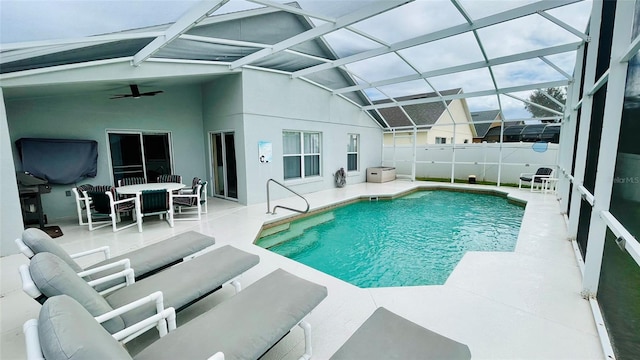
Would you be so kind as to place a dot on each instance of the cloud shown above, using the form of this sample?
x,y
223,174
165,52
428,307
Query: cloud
x,y
29,20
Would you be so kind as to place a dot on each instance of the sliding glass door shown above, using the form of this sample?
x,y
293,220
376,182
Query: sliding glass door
x,y
225,181
139,154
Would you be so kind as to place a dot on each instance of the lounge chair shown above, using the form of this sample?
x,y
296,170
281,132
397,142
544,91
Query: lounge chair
x,y
537,179
244,326
385,335
181,285
145,261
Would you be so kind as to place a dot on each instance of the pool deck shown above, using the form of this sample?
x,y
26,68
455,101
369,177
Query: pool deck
x,y
524,304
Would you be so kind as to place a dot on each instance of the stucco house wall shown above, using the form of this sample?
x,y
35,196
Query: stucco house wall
x,y
88,116
274,102
442,128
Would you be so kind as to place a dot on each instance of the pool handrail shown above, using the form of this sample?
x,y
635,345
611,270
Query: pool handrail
x,y
281,206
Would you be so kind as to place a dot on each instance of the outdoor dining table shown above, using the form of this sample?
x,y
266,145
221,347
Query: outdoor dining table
x,y
134,189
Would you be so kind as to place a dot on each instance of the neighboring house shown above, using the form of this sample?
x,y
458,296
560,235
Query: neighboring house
x,y
434,120
485,120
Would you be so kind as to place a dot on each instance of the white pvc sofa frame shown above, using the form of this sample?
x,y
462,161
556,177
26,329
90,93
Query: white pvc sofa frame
x,y
176,249
269,306
164,321
29,287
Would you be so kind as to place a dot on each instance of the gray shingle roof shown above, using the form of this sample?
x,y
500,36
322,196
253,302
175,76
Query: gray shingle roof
x,y
421,114
489,115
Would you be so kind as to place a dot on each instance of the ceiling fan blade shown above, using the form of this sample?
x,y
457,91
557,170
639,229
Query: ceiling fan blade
x,y
120,96
152,93
135,93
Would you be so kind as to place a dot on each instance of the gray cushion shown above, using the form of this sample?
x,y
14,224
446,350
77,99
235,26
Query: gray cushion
x,y
185,282
68,331
153,257
244,326
54,277
39,241
386,335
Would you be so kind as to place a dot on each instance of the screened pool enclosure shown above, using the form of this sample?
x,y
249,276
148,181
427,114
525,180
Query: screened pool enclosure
x,y
435,88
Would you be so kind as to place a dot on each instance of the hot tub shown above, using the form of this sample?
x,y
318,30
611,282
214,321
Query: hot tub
x,y
381,174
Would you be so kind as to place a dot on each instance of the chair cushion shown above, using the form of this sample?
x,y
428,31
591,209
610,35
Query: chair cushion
x,y
246,325
54,277
39,241
385,335
186,282
170,178
101,203
152,201
133,181
149,259
67,331
188,201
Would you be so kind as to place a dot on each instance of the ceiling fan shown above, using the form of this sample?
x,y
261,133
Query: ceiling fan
x,y
135,93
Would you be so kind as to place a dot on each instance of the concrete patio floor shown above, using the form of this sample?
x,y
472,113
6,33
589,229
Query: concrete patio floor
x,y
524,304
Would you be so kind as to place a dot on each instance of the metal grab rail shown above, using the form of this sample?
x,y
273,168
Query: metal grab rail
x,y
284,207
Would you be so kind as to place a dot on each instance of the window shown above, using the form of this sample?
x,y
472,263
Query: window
x,y
137,154
441,140
352,152
301,157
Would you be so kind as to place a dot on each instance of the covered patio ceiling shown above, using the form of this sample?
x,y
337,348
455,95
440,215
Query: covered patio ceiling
x,y
373,53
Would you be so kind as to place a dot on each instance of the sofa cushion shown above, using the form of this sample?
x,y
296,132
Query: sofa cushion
x,y
385,335
186,282
244,326
147,260
67,331
54,277
39,241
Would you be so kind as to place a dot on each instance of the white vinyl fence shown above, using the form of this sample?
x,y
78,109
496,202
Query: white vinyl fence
x,y
495,162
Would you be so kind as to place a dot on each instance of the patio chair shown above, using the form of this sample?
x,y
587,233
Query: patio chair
x,y
103,198
170,178
385,335
244,326
132,181
145,261
182,285
154,202
80,201
535,180
194,198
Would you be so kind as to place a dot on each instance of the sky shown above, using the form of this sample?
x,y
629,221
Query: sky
x,y
33,20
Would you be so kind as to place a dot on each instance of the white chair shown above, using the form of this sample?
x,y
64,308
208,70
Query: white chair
x,y
194,198
101,201
536,180
154,202
80,201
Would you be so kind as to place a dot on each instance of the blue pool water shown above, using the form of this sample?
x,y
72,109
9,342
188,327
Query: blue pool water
x,y
417,239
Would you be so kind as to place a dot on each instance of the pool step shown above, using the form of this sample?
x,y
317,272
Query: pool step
x,y
286,232
274,230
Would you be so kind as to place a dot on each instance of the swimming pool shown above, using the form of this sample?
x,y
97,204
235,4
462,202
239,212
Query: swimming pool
x,y
417,239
